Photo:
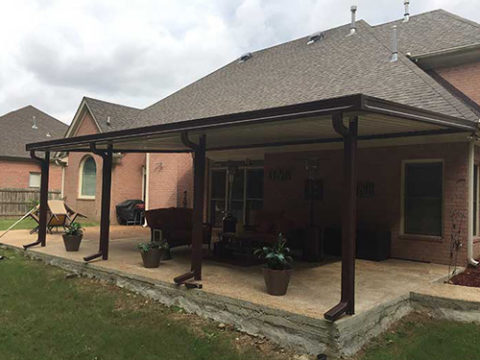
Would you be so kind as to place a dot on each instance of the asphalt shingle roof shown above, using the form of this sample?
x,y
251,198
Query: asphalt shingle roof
x,y
431,32
121,116
337,65
16,130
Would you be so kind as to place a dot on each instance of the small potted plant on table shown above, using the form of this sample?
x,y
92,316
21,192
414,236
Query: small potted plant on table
x,y
152,253
72,236
278,266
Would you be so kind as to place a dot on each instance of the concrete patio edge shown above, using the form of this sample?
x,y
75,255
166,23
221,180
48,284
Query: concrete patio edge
x,y
303,333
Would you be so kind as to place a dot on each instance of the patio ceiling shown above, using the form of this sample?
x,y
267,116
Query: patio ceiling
x,y
307,123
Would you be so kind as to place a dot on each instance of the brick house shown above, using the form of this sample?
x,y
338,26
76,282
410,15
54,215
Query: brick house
x,y
17,169
355,130
134,176
411,86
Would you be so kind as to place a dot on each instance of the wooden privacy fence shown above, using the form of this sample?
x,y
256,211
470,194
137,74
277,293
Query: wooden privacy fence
x,y
16,202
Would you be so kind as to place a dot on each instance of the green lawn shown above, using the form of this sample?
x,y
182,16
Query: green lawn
x,y
29,223
420,338
45,315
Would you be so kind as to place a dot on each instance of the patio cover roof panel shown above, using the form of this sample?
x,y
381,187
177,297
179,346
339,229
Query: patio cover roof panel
x,y
301,123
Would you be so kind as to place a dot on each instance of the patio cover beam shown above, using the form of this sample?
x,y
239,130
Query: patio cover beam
x,y
105,208
42,223
349,217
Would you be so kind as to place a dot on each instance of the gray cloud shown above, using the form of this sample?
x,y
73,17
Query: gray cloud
x,y
54,52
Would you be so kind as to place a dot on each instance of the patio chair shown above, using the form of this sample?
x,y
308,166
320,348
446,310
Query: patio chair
x,y
60,215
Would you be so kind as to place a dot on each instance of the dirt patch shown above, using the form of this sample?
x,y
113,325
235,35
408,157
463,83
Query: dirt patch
x,y
470,277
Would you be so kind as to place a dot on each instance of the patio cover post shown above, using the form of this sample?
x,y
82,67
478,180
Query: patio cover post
x,y
105,206
42,218
198,204
199,162
349,217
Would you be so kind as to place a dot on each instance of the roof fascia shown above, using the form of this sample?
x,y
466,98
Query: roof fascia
x,y
350,103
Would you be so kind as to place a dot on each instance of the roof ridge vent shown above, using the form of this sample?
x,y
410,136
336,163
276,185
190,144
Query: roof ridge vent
x,y
34,121
353,24
315,37
406,16
394,56
245,57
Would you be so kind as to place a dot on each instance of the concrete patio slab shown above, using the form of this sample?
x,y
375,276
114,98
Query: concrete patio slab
x,y
237,294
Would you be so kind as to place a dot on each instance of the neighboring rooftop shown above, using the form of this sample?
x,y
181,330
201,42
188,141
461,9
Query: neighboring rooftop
x,y
16,130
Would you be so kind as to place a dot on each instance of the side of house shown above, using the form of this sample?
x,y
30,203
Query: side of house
x,y
19,173
158,179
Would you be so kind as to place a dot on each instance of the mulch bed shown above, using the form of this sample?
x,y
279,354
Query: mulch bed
x,y
470,277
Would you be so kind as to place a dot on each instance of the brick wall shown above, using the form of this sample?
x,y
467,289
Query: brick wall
x,y
383,167
16,174
170,175
126,177
465,78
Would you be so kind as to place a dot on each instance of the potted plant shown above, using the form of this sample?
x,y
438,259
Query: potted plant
x,y
73,236
278,266
152,253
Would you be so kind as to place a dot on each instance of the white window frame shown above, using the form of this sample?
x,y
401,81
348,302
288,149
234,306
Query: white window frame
x,y
80,179
34,173
402,197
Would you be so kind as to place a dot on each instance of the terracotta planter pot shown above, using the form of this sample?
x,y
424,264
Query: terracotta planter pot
x,y
151,258
72,242
276,281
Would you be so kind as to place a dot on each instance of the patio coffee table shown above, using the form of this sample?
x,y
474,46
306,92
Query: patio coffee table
x,y
236,249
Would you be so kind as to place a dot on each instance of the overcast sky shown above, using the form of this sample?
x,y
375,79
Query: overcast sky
x,y
54,52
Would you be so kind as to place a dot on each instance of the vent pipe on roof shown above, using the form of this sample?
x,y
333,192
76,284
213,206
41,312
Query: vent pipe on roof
x,y
406,16
353,26
245,57
394,57
109,122
315,37
34,125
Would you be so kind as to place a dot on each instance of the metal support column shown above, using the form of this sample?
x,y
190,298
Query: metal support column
x,y
42,223
349,217
199,163
105,208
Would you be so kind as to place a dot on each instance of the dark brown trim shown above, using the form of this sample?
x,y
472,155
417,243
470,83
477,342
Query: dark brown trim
x,y
349,220
42,216
455,91
349,103
390,108
199,164
105,205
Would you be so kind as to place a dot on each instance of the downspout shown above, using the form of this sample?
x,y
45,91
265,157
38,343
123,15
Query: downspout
x,y
147,185
471,156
